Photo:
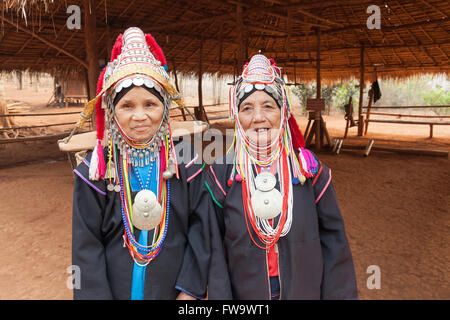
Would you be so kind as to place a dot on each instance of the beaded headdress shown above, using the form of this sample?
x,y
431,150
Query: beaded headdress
x,y
257,166
136,60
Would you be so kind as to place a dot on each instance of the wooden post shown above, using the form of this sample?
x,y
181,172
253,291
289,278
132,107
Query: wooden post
x,y
369,107
361,93
240,40
178,89
109,43
200,112
317,116
90,37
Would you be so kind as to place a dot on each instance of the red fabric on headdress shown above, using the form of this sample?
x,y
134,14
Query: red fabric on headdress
x,y
272,62
117,48
155,49
99,112
297,137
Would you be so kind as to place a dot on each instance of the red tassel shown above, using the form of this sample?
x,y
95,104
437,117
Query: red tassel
x,y
155,49
297,138
101,160
117,48
99,112
162,157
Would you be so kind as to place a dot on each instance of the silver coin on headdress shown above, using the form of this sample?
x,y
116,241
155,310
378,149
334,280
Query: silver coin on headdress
x,y
259,86
248,88
267,204
147,212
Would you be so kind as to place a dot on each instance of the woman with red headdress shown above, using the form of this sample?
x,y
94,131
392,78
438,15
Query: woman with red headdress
x,y
138,215
276,231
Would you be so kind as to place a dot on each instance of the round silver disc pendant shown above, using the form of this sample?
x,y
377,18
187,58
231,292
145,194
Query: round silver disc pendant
x,y
147,212
117,188
265,181
267,204
110,187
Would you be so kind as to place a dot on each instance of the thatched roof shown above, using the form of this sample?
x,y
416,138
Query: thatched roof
x,y
414,35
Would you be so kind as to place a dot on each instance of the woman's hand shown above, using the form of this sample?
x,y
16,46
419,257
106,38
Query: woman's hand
x,y
184,296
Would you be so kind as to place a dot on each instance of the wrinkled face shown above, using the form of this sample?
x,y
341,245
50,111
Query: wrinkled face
x,y
260,118
139,113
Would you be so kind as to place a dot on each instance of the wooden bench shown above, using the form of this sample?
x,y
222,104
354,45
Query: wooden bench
x,y
424,119
75,98
430,123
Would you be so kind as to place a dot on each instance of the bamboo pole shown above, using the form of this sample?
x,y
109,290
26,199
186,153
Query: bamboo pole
x,y
37,114
37,126
408,107
409,151
36,138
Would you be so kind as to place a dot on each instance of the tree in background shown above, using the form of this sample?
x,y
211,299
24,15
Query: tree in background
x,y
308,91
336,95
425,90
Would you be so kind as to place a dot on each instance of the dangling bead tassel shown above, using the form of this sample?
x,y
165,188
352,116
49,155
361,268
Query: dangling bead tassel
x,y
97,167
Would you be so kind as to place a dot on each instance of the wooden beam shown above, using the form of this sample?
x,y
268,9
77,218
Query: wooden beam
x,y
49,43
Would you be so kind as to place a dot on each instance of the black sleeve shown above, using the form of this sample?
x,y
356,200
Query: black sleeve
x,y
193,276
219,284
339,280
88,252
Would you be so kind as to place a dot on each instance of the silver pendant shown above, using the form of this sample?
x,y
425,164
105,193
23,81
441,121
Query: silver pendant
x,y
117,188
267,204
110,187
265,181
147,212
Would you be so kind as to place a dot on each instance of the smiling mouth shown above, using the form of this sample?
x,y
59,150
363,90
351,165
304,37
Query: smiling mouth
x,y
261,130
141,128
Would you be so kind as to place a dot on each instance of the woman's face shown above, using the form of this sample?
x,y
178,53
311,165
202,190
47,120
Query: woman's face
x,y
260,118
139,113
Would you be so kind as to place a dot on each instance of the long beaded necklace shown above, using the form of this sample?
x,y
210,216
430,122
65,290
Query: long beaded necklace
x,y
142,255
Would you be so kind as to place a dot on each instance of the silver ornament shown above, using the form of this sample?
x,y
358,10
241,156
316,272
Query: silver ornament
x,y
167,174
265,181
267,204
147,212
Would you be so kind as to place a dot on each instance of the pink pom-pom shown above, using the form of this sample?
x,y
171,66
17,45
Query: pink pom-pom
x,y
238,178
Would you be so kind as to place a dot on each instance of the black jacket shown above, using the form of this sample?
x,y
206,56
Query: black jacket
x,y
314,258
106,265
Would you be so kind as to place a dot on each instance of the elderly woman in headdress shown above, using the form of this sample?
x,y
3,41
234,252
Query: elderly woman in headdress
x,y
138,221
277,231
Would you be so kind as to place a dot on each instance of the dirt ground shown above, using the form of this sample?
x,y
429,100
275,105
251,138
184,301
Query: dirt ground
x,y
395,207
